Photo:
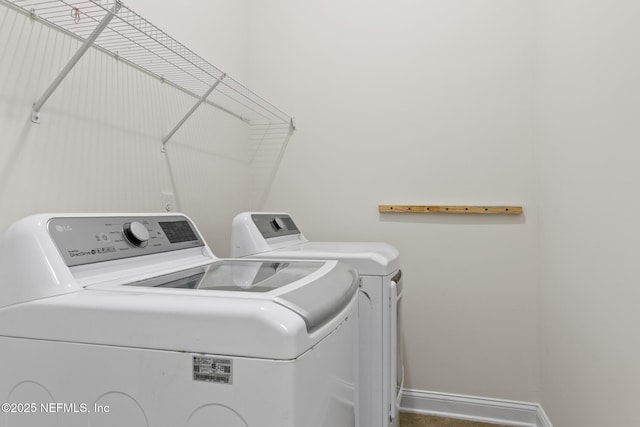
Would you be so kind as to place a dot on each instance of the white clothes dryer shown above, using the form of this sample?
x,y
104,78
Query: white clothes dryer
x,y
265,235
130,320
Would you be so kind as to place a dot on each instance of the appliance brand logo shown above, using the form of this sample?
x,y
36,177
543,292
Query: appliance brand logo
x,y
63,228
76,252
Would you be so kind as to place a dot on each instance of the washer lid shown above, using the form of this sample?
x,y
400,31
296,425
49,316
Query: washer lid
x,y
316,299
173,312
235,276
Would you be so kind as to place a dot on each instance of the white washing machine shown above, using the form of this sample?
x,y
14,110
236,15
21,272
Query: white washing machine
x,y
130,320
381,374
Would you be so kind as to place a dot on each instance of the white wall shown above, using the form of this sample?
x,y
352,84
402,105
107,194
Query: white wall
x,y
217,30
97,148
457,102
418,102
588,166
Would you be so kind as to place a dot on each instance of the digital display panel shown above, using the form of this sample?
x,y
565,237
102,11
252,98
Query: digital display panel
x,y
178,231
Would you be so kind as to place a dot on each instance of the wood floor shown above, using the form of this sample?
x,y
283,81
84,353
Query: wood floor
x,y
414,420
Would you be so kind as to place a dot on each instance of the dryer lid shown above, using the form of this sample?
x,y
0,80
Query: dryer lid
x,y
369,258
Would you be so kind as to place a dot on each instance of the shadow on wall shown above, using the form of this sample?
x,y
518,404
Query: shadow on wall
x,y
267,145
8,164
457,219
98,146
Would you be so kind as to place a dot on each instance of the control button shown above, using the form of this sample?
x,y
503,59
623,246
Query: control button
x,y
136,233
278,223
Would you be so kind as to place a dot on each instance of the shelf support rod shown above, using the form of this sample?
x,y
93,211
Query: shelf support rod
x,y
202,99
35,117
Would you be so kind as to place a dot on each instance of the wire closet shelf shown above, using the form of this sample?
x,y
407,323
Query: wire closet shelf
x,y
130,37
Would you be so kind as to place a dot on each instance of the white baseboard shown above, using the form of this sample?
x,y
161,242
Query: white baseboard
x,y
480,409
541,418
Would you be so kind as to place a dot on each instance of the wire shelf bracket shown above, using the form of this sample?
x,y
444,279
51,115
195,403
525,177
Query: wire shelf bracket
x,y
190,112
35,113
111,27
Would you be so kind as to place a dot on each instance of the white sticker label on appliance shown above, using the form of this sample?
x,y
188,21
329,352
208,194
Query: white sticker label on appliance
x,y
212,370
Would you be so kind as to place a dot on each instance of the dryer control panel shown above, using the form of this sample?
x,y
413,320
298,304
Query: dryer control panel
x,y
86,240
274,225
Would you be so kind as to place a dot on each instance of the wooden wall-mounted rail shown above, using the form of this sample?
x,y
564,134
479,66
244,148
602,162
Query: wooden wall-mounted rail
x,y
491,210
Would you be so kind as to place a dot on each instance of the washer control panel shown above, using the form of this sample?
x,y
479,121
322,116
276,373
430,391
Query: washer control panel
x,y
86,240
274,225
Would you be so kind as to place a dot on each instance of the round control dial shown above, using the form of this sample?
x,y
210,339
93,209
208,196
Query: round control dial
x,y
278,223
136,234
